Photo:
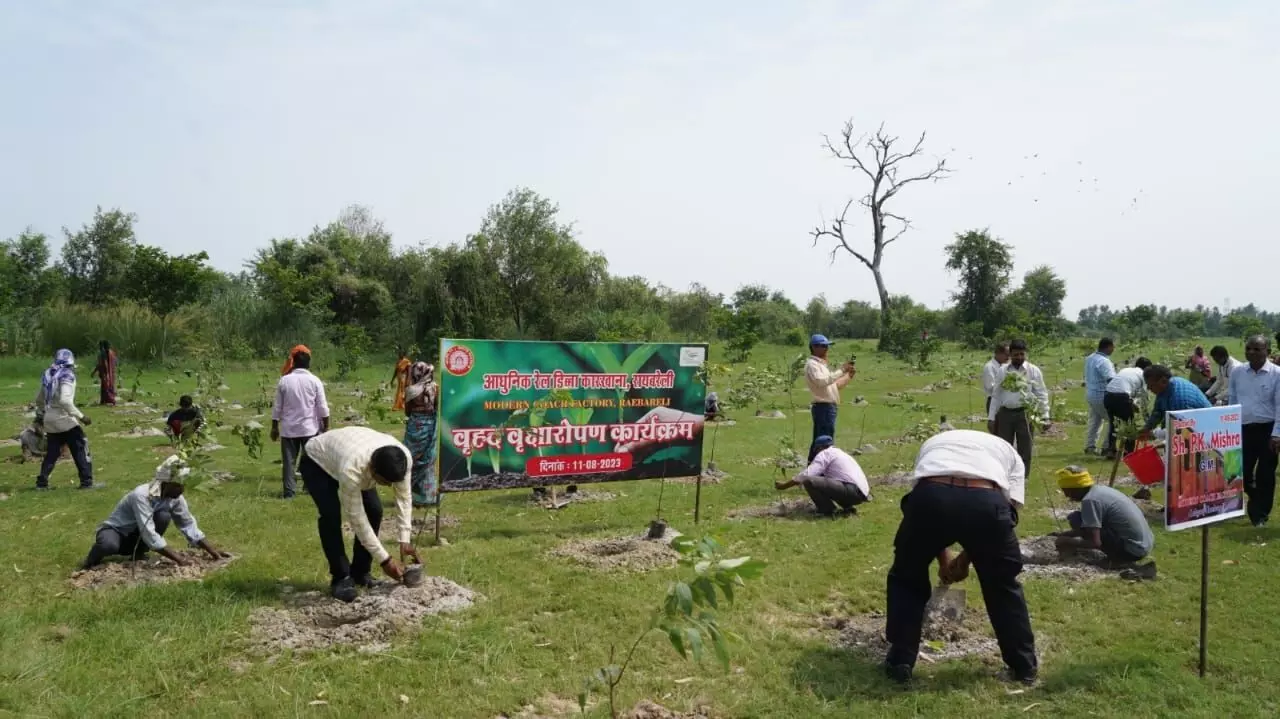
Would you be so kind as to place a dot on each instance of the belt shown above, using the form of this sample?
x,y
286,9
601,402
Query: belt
x,y
965,482
822,403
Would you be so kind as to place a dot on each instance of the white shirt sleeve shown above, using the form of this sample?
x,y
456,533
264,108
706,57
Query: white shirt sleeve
x,y
989,371
353,507
143,515
1040,391
275,408
820,375
997,394
404,503
816,468
186,521
1017,479
322,402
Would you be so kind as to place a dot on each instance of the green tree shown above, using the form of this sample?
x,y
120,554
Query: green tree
x,y
1036,306
96,259
882,160
983,264
163,283
1242,325
692,314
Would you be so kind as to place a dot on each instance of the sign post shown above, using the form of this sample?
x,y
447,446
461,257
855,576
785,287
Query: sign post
x,y
517,414
1204,484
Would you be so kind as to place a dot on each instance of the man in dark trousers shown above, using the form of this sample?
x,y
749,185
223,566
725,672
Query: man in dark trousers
x,y
968,486
1019,403
1255,386
824,389
300,413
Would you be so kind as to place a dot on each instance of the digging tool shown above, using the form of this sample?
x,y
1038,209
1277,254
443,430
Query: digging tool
x,y
947,602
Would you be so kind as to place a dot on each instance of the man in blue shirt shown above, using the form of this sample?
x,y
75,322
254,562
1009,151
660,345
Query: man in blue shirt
x,y
1256,388
1173,394
1098,371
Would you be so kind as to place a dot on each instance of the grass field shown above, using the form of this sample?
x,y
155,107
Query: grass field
x,y
1109,648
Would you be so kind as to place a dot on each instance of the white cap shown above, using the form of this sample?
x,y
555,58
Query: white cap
x,y
172,470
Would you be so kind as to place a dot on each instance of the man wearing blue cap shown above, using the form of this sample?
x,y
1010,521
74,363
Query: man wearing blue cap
x,y
824,386
832,478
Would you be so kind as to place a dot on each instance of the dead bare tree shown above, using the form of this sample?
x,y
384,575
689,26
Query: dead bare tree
x,y
885,164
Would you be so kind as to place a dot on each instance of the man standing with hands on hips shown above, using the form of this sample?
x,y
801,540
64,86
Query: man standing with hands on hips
x,y
1255,386
824,387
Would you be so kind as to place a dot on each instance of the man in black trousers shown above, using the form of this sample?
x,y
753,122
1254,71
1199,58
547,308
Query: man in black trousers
x,y
968,486
1255,386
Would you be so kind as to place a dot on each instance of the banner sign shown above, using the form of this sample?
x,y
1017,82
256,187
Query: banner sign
x,y
528,414
1204,478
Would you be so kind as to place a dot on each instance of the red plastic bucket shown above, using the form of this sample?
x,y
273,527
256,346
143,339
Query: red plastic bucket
x,y
1146,464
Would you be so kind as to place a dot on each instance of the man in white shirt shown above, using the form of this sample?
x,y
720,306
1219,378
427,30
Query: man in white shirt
x,y
832,478
968,486
1020,399
139,521
999,358
1221,387
1120,401
300,413
824,389
62,420
1255,386
342,471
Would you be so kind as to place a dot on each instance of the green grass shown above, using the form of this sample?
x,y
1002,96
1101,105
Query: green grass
x,y
1110,649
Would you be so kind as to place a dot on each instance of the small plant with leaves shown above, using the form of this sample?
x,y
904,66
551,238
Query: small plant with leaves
x,y
1037,412
785,455
251,434
136,388
688,616
265,399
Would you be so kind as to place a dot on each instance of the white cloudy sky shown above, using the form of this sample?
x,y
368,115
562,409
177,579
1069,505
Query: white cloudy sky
x,y
682,138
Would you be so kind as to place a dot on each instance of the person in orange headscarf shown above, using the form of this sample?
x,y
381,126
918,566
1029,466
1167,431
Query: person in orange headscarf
x,y
401,378
288,363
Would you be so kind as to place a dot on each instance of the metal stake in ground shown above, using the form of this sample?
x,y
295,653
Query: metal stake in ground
x,y
1204,596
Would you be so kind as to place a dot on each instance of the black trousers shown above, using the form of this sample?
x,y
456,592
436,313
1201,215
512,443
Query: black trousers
x,y
75,440
824,423
1112,545
1259,469
935,516
324,492
1012,426
1119,407
111,542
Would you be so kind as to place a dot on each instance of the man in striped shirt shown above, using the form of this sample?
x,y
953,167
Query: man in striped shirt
x,y
342,470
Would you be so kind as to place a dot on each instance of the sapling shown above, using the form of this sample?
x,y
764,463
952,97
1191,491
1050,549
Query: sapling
x,y
687,615
137,384
251,434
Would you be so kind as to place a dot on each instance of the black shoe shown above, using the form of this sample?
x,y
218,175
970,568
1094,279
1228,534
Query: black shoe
x,y
1259,523
365,581
43,488
848,512
899,673
286,495
1141,572
95,485
343,590
1026,680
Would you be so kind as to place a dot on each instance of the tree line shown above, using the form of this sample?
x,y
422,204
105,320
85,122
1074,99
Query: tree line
x,y
521,275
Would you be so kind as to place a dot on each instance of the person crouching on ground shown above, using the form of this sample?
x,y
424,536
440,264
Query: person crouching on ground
x,y
186,420
968,486
833,478
342,470
1107,521
139,521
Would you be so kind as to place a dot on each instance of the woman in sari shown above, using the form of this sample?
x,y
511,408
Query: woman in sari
x,y
288,362
401,379
419,401
1199,371
105,371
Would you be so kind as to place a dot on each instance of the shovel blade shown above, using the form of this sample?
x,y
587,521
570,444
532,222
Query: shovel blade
x,y
946,602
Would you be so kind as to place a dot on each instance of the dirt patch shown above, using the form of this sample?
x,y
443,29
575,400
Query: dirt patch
x,y
1040,558
649,710
550,706
314,621
636,553
782,509
710,475
137,432
1154,512
893,479
941,640
149,570
1055,432
770,414
9,443
564,498
720,423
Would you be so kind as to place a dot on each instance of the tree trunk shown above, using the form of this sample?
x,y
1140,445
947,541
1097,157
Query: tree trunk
x,y
886,315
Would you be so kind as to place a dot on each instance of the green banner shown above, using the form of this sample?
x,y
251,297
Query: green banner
x,y
528,414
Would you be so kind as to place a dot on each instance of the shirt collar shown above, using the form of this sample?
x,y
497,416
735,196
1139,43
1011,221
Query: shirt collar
x,y
303,371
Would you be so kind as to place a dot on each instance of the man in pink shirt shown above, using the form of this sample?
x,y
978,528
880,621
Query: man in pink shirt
x,y
833,478
300,413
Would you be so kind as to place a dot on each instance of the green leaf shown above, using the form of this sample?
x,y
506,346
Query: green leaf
x,y
677,640
684,598
636,359
702,567
682,543
605,358
708,547
704,587
726,586
694,639
719,644
744,567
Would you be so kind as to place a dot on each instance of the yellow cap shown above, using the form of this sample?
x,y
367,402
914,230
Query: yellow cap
x,y
1074,477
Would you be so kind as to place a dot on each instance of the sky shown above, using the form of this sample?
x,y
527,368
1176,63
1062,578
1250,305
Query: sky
x,y
1127,145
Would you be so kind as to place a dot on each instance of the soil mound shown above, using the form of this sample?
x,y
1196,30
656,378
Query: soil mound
x,y
313,621
636,553
941,639
137,432
782,509
544,501
150,570
553,707
892,479
1040,558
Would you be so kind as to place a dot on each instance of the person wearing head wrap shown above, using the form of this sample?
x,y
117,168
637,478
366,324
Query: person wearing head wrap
x,y
105,371
300,412
400,376
1107,520
420,398
288,362
56,411
140,518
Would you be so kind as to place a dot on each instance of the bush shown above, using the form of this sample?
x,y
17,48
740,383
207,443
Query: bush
x,y
133,331
795,337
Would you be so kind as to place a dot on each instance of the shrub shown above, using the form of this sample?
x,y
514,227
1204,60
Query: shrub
x,y
135,332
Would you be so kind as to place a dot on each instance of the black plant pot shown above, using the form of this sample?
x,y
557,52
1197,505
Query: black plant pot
x,y
657,528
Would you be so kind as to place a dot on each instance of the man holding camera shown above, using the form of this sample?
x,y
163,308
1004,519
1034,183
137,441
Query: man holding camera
x,y
824,387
